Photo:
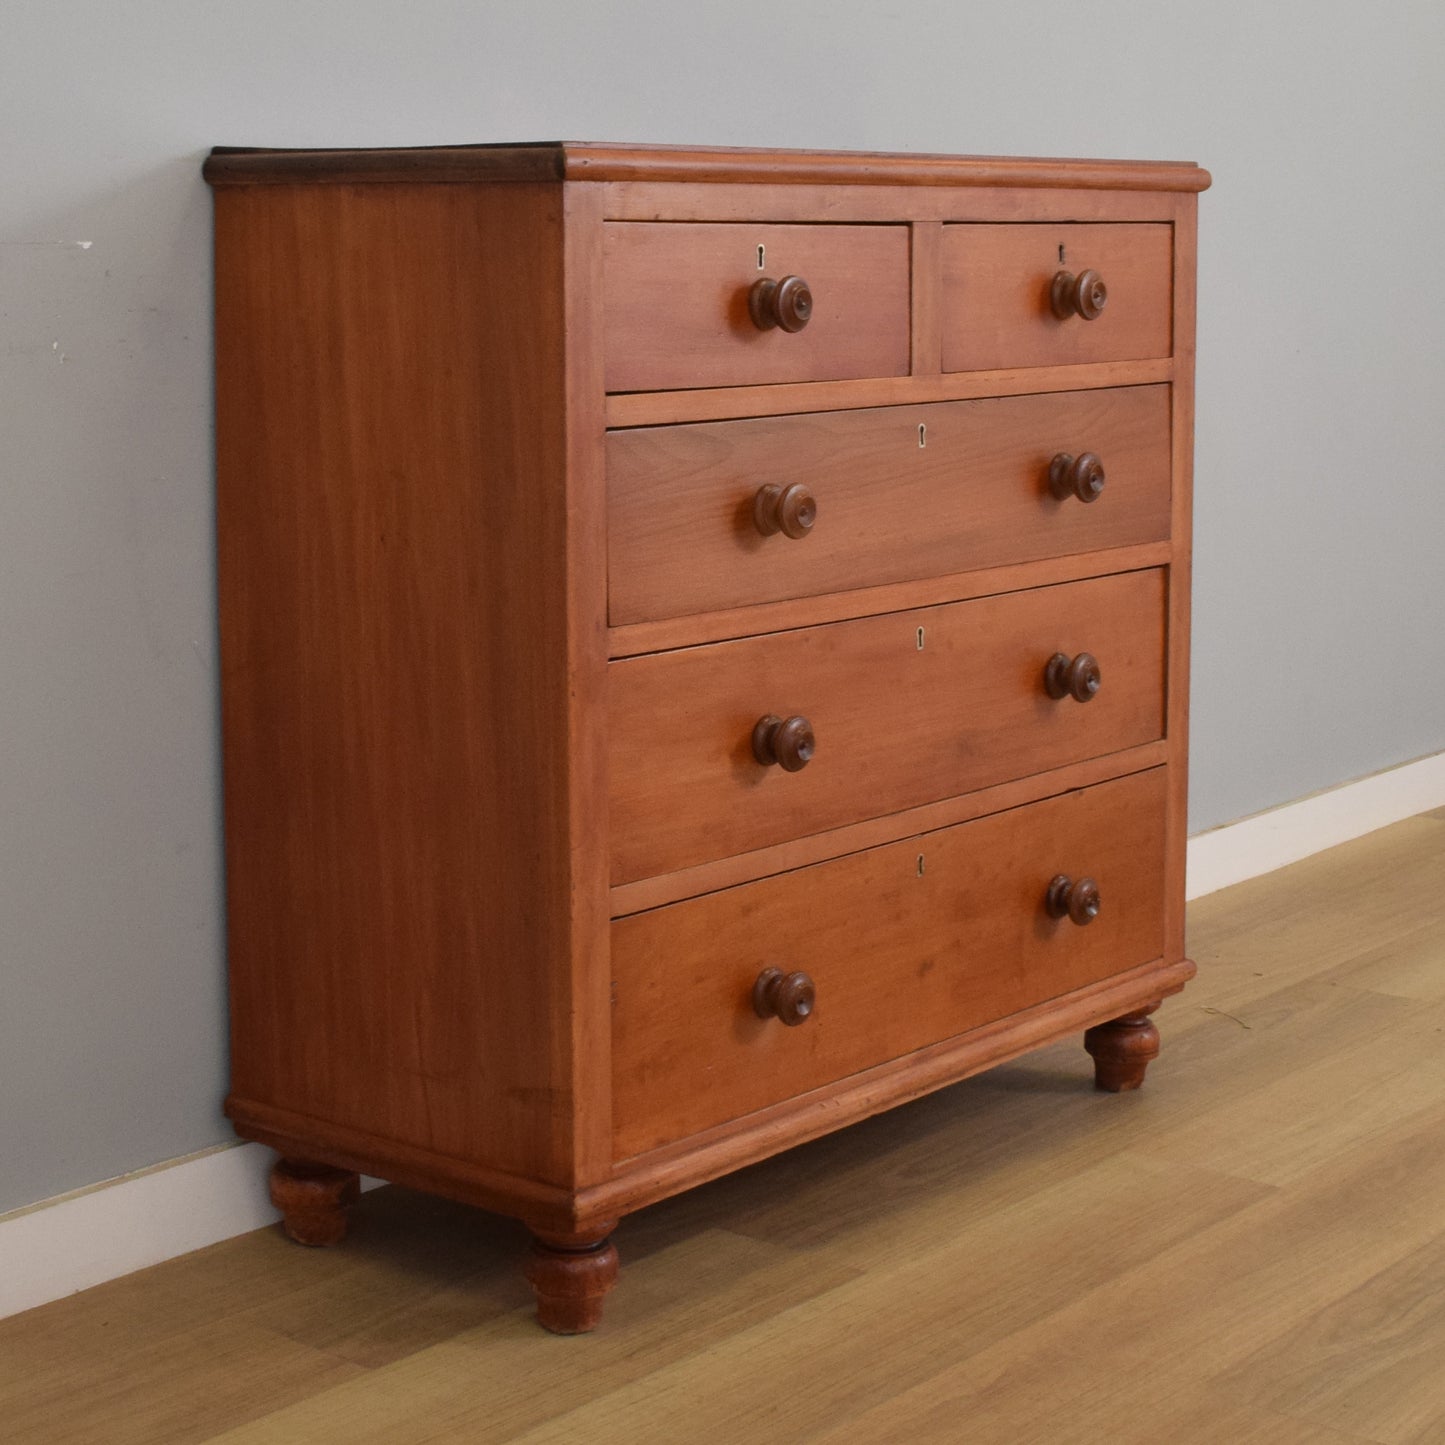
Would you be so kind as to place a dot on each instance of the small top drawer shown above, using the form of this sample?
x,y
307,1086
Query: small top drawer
x,y
999,294
676,304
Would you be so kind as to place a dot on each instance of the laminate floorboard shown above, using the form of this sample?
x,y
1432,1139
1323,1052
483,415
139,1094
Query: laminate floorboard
x,y
1252,1248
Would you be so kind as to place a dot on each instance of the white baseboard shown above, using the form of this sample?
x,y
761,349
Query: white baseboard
x,y
1286,834
82,1239
63,1245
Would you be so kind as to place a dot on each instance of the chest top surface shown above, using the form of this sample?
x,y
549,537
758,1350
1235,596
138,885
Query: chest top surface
x,y
595,161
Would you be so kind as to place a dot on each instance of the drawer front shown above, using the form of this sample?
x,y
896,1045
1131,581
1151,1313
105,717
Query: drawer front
x,y
895,724
897,493
998,284
676,304
899,957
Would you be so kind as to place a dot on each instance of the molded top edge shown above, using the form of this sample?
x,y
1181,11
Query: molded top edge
x,y
588,161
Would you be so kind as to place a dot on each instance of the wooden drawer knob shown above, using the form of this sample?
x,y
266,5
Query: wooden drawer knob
x,y
1079,678
1081,476
1074,899
1082,295
787,303
789,510
786,741
785,996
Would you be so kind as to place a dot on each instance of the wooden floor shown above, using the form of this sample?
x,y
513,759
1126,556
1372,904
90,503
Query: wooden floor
x,y
1252,1249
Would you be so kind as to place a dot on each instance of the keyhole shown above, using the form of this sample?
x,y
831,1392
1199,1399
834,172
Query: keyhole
x,y
920,865
920,639
763,256
922,435
1061,254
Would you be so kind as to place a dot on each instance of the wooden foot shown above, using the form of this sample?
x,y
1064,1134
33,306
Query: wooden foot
x,y
313,1199
1123,1049
571,1275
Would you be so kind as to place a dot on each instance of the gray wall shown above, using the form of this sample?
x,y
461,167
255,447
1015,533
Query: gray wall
x,y
1321,423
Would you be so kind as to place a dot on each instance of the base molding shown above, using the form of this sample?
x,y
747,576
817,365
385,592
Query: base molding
x,y
1266,841
62,1245
82,1239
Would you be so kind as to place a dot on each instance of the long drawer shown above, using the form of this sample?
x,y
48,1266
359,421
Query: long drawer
x,y
998,298
676,312
904,946
888,494
902,710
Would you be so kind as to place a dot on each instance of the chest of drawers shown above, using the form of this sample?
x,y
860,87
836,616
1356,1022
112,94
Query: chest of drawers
x,y
705,654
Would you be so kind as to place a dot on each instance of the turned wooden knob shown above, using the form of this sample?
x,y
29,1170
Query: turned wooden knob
x,y
1079,678
787,303
1081,476
789,510
1075,899
785,996
1082,295
786,741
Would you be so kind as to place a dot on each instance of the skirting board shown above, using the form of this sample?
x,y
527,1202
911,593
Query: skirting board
x,y
1266,841
59,1246
63,1245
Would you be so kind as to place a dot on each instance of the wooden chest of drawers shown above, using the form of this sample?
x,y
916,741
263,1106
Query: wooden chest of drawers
x,y
705,654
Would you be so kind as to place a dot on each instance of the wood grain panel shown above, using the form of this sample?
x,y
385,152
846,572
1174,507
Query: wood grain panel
x,y
762,617
906,944
587,1043
996,281
1181,567
901,493
896,725
663,408
927,323
844,205
676,304
854,837
408,862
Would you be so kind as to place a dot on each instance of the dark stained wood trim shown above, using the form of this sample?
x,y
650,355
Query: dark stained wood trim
x,y
458,165
571,160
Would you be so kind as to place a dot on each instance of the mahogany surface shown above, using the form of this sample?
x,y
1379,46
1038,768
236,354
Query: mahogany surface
x,y
997,284
384,528
975,493
676,313
1122,1050
571,1272
313,1200
513,878
895,724
906,945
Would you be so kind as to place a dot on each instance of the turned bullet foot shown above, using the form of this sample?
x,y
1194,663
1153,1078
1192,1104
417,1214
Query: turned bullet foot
x,y
571,1275
313,1199
1123,1049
